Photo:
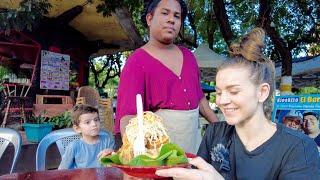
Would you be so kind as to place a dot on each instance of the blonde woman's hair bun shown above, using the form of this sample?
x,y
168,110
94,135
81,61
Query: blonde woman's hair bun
x,y
250,46
235,49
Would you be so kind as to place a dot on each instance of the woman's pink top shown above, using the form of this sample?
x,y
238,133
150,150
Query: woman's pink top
x,y
159,87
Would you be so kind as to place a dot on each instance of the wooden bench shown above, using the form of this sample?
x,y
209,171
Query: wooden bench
x,y
50,110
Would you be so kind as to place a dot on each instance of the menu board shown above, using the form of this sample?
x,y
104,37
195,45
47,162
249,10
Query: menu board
x,y
54,72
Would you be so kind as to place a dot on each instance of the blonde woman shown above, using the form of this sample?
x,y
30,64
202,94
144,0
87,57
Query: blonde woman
x,y
249,145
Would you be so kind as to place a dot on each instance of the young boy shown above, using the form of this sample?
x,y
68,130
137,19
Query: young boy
x,y
85,152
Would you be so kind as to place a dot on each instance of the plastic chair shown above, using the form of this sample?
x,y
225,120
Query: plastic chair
x,y
88,95
9,135
62,137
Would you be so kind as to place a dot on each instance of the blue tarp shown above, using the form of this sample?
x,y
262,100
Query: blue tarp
x,y
207,88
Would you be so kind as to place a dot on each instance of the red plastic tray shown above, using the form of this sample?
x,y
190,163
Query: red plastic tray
x,y
149,171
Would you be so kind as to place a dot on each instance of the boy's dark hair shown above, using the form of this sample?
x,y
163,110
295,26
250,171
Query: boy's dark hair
x,y
78,110
150,6
311,113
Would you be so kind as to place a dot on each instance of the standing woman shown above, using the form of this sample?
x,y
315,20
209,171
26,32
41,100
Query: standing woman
x,y
167,77
249,145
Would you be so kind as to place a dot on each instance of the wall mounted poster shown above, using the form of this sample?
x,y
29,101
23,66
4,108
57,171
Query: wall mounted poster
x,y
300,113
54,73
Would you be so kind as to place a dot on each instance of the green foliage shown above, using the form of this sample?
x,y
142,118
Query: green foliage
x,y
295,21
3,72
309,90
109,6
38,119
135,7
170,154
25,16
61,121
105,71
314,49
136,17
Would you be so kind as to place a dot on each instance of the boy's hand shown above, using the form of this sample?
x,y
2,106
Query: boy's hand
x,y
104,152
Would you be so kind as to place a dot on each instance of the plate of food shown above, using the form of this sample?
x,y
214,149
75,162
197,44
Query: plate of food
x,y
149,171
160,153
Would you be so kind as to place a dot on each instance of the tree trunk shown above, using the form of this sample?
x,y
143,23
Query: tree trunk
x,y
193,26
211,28
210,38
223,20
264,21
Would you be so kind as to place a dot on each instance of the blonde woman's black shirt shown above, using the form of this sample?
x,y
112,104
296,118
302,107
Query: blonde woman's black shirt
x,y
288,154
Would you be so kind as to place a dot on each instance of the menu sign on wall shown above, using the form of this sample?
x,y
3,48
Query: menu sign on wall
x,y
54,72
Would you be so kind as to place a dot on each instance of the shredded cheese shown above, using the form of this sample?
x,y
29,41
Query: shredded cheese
x,y
154,131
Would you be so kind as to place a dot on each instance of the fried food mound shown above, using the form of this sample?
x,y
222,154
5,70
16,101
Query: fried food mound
x,y
155,136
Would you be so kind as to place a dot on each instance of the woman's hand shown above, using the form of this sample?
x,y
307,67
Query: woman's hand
x,y
104,153
205,171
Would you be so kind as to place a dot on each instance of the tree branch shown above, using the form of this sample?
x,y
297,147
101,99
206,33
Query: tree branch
x,y
95,74
193,26
305,38
264,21
112,72
105,64
223,20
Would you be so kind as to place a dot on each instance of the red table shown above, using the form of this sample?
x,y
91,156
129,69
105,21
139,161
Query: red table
x,y
76,174
110,173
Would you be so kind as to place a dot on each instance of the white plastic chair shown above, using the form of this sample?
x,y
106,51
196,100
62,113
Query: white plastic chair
x,y
10,136
62,137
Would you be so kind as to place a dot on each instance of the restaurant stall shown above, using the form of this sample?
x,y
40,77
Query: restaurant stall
x,y
208,62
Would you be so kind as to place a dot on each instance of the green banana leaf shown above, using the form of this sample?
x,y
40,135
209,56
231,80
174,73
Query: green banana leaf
x,y
111,159
171,146
177,155
143,160
174,158
170,154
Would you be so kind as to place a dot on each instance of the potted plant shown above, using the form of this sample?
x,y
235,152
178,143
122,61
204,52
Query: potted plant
x,y
61,121
4,71
37,128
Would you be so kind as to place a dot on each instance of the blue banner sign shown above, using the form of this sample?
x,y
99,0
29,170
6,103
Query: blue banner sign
x,y
300,113
310,101
295,105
